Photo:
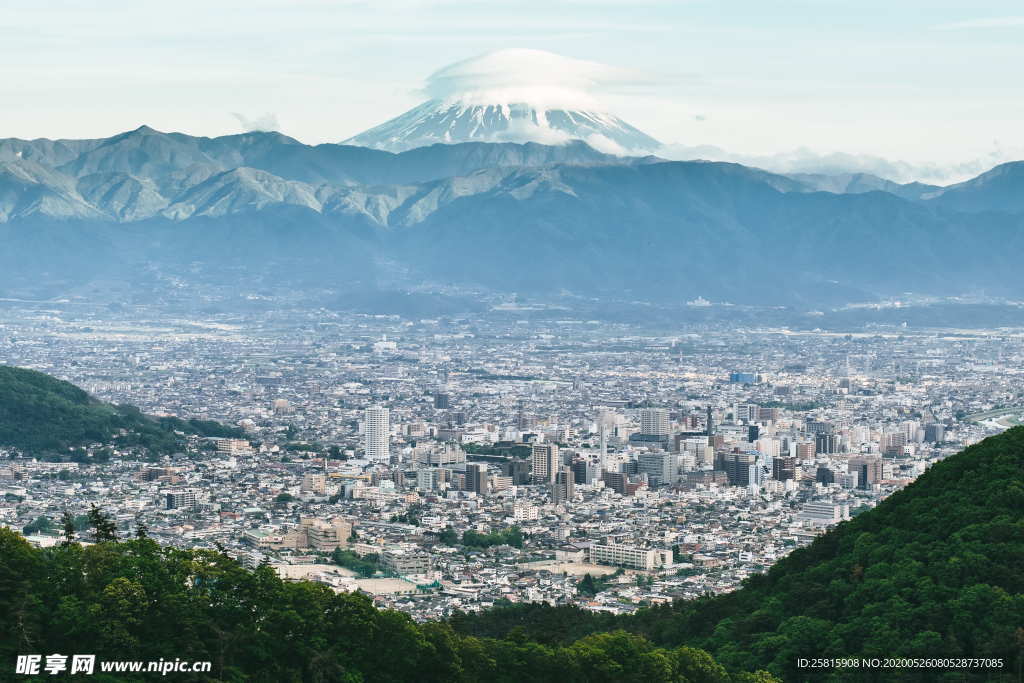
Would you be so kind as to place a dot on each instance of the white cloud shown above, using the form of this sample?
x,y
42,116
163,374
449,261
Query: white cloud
x,y
804,160
534,76
267,122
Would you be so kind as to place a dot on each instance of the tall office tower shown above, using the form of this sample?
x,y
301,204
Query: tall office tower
x,y
563,487
935,432
616,481
654,424
748,412
661,468
805,451
826,443
580,471
892,444
545,463
476,479
378,434
868,470
912,430
442,401
783,468
517,470
524,421
753,433
742,469
710,423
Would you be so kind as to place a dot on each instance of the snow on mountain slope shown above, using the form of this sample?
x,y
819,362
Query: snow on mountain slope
x,y
513,96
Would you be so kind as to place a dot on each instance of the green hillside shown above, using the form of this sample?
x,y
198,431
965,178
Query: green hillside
x,y
40,414
135,600
935,571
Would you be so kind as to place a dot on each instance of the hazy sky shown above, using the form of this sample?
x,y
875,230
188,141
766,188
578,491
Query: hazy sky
x,y
905,79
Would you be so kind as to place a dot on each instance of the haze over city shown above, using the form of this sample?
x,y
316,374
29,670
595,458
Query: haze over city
x,y
569,342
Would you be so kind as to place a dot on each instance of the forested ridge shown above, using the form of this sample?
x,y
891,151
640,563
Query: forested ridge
x,y
41,414
934,571
136,600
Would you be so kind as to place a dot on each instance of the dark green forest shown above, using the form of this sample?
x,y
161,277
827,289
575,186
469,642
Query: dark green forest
x,y
935,570
137,600
41,415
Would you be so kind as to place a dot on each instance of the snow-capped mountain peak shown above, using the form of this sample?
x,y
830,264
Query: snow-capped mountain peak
x,y
512,96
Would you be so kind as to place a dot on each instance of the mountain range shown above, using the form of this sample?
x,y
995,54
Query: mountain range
x,y
260,211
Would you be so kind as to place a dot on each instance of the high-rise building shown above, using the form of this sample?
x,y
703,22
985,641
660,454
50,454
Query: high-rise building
x,y
825,476
517,470
476,479
563,488
661,468
868,469
747,412
893,444
180,500
826,443
783,468
805,451
442,401
378,434
524,421
545,463
616,481
654,423
581,471
935,432
742,469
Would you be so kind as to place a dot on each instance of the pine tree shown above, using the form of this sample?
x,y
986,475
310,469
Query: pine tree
x,y
104,528
67,521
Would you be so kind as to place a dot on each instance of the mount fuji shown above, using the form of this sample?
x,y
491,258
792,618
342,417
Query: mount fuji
x,y
513,96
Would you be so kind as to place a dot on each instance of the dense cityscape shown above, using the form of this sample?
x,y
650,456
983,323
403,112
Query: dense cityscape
x,y
451,464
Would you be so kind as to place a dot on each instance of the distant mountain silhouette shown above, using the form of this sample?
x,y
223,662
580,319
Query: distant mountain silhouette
x,y
261,209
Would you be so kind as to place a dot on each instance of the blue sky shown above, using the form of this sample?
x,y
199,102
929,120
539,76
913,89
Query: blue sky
x,y
922,81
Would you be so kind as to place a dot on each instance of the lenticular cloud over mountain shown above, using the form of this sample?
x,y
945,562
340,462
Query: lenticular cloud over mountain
x,y
517,75
515,95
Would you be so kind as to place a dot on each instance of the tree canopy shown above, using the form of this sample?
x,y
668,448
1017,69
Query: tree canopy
x,y
934,571
137,600
42,414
